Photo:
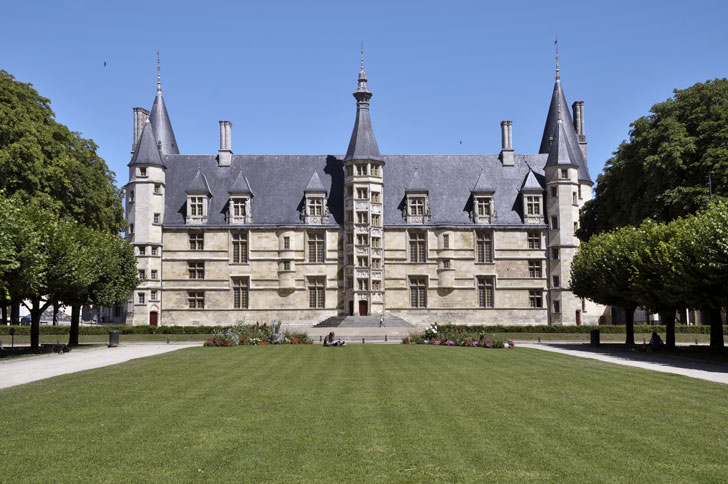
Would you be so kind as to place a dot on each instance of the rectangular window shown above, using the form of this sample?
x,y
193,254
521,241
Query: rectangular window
x,y
363,261
579,191
197,241
316,206
142,250
534,240
240,247
376,285
154,251
556,281
534,269
349,172
554,193
131,196
375,197
153,295
196,300
535,299
286,265
416,205
142,274
375,170
154,274
142,171
196,270
361,193
376,220
140,297
156,218
564,174
363,284
316,292
362,217
573,198
362,239
484,247
445,241
446,263
157,189
286,243
533,204
316,247
240,293
557,306
483,204
117,311
361,170
554,223
131,228
485,292
554,254
418,292
418,247
376,263
239,207
196,206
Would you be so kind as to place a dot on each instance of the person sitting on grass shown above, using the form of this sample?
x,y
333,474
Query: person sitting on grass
x,y
655,342
329,340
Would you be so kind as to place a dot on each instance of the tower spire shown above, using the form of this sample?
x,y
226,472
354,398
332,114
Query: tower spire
x,y
556,44
363,144
159,76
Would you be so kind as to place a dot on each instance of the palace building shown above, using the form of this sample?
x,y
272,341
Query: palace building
x,y
471,239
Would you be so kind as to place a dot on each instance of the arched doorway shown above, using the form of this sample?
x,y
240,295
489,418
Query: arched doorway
x,y
153,318
363,308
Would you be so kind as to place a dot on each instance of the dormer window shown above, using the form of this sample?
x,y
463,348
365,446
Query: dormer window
x,y
315,206
196,206
417,206
315,209
239,210
484,206
532,198
483,211
198,195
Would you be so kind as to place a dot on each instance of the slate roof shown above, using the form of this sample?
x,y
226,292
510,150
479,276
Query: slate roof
x,y
558,100
198,184
240,185
162,127
531,183
483,185
279,182
416,184
563,152
363,144
314,185
146,151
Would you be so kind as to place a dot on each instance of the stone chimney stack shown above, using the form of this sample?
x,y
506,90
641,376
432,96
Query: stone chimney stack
x,y
225,155
506,154
578,110
140,117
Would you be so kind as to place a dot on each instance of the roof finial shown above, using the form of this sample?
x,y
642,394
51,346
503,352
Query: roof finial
x,y
362,55
159,77
556,44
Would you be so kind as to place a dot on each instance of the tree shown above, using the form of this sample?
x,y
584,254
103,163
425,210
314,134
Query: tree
x,y
602,271
669,156
702,264
41,156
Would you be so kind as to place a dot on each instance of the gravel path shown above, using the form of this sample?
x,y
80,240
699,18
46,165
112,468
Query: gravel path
x,y
703,370
25,370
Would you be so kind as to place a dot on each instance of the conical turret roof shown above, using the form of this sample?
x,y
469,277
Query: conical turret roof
x,y
240,185
162,127
563,151
314,185
146,151
363,144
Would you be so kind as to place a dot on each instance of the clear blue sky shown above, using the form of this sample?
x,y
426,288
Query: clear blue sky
x,y
283,71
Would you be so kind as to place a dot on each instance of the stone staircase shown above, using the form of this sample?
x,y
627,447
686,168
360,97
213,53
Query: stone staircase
x,y
362,329
390,321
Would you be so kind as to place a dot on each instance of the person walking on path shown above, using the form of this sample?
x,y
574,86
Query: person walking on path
x,y
381,321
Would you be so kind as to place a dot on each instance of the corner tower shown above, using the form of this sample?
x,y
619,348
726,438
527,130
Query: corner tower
x,y
364,254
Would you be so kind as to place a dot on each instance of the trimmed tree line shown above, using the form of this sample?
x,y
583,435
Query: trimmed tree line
x,y
60,236
662,267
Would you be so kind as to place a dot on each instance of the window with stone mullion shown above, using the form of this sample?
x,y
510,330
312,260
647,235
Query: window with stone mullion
x,y
484,248
240,248
485,292
240,293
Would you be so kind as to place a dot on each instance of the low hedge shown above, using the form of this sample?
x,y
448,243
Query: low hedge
x,y
124,329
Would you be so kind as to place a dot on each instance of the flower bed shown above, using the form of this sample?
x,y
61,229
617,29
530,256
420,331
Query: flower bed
x,y
256,335
456,336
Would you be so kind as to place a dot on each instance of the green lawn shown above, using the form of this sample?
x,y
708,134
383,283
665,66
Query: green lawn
x,y
364,413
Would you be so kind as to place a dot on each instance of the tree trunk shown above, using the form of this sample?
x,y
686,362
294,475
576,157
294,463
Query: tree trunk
x,y
15,313
75,317
716,331
35,324
629,330
5,314
668,319
55,313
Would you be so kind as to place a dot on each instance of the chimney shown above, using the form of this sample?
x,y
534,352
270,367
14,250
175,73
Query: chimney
x,y
506,154
140,117
578,109
225,155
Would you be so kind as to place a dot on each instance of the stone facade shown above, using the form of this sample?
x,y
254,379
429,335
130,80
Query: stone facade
x,y
473,239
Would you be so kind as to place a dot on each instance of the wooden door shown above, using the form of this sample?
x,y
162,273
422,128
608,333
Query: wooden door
x,y
153,318
351,308
578,318
362,308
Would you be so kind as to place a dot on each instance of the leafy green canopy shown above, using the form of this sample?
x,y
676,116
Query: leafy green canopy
x,y
662,171
41,156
